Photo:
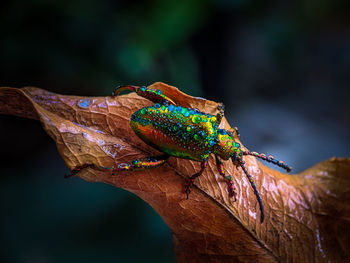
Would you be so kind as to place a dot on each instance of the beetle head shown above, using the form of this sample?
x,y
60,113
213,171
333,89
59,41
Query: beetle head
x,y
226,145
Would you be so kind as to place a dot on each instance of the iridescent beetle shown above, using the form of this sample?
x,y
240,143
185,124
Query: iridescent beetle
x,y
185,133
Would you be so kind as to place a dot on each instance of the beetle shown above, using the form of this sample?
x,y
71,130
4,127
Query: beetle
x,y
185,133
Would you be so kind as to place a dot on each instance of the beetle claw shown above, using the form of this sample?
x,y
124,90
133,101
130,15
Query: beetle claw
x,y
231,190
77,169
188,187
221,107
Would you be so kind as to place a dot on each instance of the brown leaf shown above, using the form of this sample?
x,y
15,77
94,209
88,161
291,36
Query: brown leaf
x,y
306,215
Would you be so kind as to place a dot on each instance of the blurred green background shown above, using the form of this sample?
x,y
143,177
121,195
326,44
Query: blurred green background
x,y
281,68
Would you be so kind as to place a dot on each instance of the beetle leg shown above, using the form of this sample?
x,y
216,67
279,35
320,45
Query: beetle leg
x,y
256,192
221,169
220,114
155,96
138,164
78,168
191,180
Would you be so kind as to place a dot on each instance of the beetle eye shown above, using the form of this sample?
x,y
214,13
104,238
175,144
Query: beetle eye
x,y
222,131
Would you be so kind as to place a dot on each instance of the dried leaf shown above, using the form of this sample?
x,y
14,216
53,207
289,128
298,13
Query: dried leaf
x,y
306,215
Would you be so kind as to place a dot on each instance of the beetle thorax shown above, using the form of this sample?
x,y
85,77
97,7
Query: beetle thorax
x,y
226,146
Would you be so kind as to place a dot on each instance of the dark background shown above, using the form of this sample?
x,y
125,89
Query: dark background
x,y
281,68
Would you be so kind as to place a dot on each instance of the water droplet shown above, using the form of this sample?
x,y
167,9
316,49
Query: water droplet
x,y
196,119
185,112
84,103
213,119
171,108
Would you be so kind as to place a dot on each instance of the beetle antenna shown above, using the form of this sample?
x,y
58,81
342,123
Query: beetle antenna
x,y
269,159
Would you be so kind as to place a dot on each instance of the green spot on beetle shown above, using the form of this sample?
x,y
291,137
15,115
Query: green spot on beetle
x,y
196,119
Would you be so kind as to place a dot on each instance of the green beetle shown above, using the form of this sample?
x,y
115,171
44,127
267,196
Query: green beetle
x,y
185,133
